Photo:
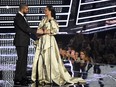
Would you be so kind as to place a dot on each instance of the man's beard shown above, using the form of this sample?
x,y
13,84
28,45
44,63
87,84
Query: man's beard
x,y
25,14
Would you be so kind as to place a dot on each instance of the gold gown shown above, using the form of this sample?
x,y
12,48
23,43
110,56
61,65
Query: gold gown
x,y
50,66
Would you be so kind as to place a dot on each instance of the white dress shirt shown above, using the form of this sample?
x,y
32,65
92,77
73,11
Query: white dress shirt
x,y
23,15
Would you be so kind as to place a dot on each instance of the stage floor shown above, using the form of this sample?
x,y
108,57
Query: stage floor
x,y
107,77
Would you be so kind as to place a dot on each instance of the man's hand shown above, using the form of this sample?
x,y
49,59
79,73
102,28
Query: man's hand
x,y
39,33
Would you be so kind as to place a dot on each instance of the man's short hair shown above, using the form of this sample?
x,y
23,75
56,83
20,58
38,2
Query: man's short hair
x,y
22,6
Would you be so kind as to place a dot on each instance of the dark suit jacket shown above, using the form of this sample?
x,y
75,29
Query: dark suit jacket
x,y
22,36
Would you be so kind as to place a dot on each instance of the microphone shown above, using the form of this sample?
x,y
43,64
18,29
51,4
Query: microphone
x,y
44,27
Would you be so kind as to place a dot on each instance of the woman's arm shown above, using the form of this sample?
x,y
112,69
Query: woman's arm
x,y
111,21
54,28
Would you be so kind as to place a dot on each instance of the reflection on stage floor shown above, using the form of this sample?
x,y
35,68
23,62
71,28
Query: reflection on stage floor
x,y
104,77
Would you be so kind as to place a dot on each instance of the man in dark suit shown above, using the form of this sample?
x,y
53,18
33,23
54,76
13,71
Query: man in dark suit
x,y
21,42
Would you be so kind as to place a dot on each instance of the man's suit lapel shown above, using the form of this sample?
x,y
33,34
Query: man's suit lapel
x,y
24,19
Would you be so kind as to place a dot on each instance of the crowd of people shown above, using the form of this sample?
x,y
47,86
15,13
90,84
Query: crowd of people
x,y
85,53
96,50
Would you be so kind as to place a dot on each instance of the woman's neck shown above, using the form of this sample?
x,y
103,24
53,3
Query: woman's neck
x,y
49,17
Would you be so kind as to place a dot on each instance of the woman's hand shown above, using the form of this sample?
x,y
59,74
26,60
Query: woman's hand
x,y
40,31
47,31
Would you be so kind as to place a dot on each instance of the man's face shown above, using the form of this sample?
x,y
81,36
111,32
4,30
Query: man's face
x,y
25,10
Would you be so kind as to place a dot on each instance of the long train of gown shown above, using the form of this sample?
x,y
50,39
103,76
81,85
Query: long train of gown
x,y
57,72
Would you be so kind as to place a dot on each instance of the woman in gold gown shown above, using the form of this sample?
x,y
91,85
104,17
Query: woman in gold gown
x,y
50,66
